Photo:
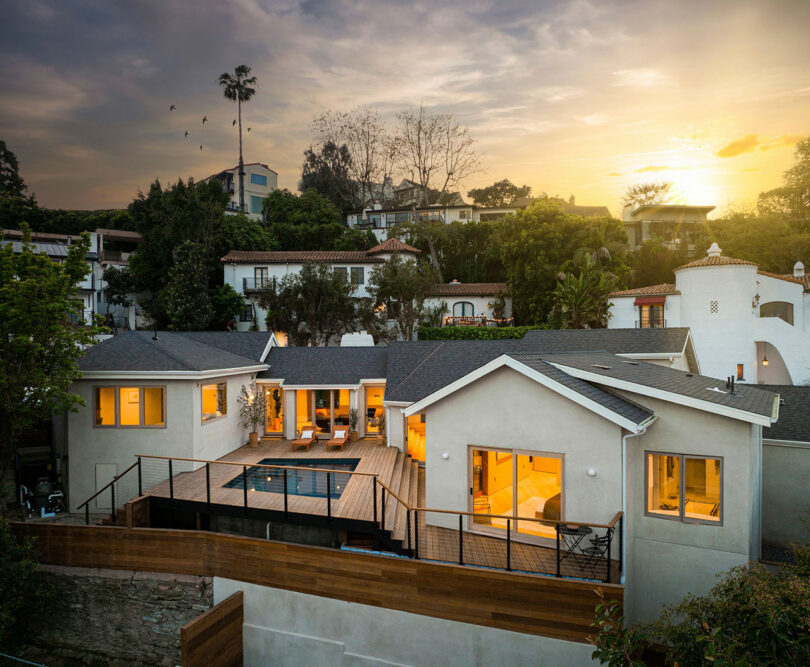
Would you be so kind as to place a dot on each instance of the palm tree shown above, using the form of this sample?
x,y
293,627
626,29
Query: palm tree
x,y
237,87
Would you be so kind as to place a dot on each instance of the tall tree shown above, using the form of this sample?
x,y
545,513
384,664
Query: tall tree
x,y
238,87
499,194
41,341
11,183
401,285
580,300
186,298
328,172
792,199
15,205
647,194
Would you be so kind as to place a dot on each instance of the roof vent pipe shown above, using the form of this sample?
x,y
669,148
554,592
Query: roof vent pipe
x,y
155,337
798,270
714,250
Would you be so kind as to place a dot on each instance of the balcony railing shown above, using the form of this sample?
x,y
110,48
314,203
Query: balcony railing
x,y
255,284
115,256
651,323
477,321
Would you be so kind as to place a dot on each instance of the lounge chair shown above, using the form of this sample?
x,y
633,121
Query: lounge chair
x,y
340,436
307,438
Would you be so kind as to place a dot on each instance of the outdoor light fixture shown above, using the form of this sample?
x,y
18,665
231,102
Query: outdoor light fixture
x,y
765,356
445,456
591,472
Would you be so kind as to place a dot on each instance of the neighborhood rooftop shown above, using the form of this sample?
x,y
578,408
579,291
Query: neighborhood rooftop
x,y
467,289
300,256
794,413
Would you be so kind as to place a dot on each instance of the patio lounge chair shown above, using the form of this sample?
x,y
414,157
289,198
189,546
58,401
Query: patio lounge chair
x,y
340,436
307,438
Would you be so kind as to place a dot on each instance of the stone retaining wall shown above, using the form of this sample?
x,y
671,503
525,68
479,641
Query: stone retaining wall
x,y
119,617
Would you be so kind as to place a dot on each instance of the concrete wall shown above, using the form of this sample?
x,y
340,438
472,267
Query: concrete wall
x,y
508,410
667,558
288,628
785,493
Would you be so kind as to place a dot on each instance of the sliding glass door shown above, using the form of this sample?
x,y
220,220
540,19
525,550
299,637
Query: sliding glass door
x,y
509,483
323,408
274,410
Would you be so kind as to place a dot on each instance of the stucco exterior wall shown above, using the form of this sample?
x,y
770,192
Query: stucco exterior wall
x,y
624,313
217,437
482,305
667,558
785,493
508,410
288,628
89,445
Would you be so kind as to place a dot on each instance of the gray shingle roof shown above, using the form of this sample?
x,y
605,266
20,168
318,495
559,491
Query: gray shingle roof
x,y
325,365
617,341
746,397
622,406
794,413
249,344
173,351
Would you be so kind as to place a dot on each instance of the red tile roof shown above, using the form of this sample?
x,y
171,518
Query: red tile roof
x,y
802,280
393,245
298,256
467,289
715,260
652,290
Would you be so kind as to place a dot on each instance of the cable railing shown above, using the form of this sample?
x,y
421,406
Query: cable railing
x,y
560,548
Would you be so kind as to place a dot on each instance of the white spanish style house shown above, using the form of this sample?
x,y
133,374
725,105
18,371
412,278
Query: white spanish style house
x,y
746,323
249,272
260,181
471,303
678,225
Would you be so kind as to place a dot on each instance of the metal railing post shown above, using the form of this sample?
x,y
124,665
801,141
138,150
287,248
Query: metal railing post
x,y
244,483
329,497
171,482
460,539
87,514
140,478
408,525
621,543
285,493
112,500
508,545
208,485
375,500
607,553
557,527
382,509
416,534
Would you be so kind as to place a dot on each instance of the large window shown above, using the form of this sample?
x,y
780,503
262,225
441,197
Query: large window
x,y
255,204
214,401
274,402
357,275
651,316
685,487
341,271
374,408
258,179
325,408
463,309
129,407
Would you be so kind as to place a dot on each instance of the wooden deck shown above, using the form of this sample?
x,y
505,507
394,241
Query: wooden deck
x,y
399,473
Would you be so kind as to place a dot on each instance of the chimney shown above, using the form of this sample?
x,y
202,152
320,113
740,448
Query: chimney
x,y
714,250
571,200
798,270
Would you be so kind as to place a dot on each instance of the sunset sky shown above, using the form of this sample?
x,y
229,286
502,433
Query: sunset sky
x,y
568,97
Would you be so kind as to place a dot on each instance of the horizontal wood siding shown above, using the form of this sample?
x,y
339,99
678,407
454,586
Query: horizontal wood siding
x,y
214,639
507,600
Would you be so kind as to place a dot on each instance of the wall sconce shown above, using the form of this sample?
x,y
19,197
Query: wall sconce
x,y
591,472
445,456
765,356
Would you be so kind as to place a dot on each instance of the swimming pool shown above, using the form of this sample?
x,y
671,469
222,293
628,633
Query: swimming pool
x,y
299,482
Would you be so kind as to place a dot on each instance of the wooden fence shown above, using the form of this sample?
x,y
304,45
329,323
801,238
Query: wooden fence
x,y
536,605
214,639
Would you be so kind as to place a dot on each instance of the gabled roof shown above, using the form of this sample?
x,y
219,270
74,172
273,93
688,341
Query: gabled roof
x,y
620,411
173,352
748,403
249,344
247,164
331,366
793,424
298,256
652,290
467,289
715,260
393,245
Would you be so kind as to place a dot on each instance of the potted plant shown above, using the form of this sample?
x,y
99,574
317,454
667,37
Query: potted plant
x,y
251,410
381,426
353,424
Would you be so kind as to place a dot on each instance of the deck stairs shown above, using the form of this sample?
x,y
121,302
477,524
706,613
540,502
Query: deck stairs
x,y
405,482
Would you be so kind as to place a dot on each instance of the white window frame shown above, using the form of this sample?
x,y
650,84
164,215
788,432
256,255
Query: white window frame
x,y
141,396
682,489
224,415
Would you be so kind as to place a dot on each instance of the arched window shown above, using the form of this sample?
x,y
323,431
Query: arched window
x,y
463,309
781,309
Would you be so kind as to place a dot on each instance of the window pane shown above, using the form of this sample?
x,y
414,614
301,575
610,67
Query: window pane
x,y
539,493
493,489
258,179
153,406
255,204
374,408
105,406
303,409
213,401
275,409
129,405
702,492
323,410
341,398
357,275
663,484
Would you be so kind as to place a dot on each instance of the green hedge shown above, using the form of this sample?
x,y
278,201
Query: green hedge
x,y
472,333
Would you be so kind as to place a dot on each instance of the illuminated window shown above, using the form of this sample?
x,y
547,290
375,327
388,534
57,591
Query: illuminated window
x,y
684,487
740,374
374,408
136,406
214,401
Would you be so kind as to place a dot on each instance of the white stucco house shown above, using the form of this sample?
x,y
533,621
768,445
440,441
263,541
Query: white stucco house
x,y
746,323
260,181
471,303
248,272
679,226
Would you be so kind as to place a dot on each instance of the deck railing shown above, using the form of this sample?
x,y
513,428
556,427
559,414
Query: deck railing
x,y
580,548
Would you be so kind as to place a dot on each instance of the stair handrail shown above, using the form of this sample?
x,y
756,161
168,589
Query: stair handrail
x,y
108,485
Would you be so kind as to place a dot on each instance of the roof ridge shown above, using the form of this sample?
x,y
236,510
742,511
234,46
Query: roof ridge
x,y
187,339
418,366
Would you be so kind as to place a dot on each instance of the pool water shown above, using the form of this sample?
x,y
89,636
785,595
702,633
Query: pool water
x,y
299,482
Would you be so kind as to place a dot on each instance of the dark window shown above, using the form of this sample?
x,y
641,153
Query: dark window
x,y
247,314
260,277
341,271
358,276
781,309
255,204
463,309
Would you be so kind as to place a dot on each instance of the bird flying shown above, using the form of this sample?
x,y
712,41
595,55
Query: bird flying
x,y
249,129
186,133
205,119
200,146
234,122
172,107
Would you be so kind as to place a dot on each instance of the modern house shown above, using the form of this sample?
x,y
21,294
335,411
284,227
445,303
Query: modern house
x,y
744,322
249,272
260,181
108,247
680,227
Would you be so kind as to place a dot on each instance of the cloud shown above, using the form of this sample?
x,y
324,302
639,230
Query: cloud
x,y
745,145
594,119
615,173
654,168
749,169
751,142
640,78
